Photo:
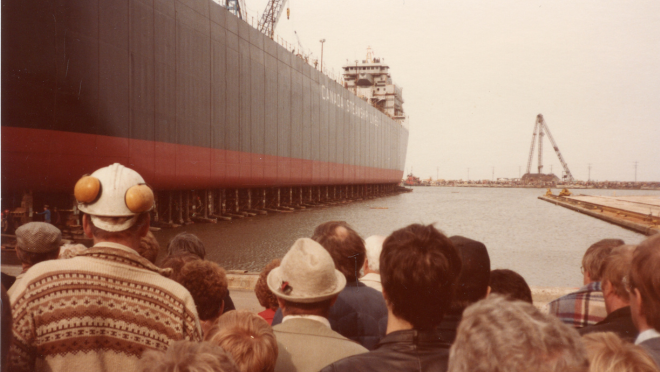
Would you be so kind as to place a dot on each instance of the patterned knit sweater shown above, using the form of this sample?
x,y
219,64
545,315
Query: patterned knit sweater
x,y
97,312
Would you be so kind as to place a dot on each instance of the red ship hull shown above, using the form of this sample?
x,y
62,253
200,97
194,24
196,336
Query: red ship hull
x,y
47,160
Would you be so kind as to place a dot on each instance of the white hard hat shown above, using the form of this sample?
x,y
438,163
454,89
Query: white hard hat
x,y
113,191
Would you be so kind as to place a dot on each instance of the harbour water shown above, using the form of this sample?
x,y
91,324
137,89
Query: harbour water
x,y
541,241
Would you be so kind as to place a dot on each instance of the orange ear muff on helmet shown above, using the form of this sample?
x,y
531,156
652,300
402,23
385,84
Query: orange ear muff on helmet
x,y
139,198
87,189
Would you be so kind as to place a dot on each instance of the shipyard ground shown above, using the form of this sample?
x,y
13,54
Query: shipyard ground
x,y
638,213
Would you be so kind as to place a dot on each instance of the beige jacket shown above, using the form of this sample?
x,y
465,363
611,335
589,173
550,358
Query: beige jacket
x,y
307,345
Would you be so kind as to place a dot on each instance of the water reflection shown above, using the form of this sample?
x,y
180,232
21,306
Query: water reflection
x,y
541,241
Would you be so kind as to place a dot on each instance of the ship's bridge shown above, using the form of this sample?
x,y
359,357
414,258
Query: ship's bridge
x,y
370,80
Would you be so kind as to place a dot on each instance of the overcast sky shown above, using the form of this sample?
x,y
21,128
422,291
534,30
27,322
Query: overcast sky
x,y
476,73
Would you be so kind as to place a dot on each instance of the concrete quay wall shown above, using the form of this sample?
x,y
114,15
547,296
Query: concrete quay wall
x,y
241,285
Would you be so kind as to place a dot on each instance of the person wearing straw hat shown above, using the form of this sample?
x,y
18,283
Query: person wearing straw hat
x,y
306,285
100,310
35,242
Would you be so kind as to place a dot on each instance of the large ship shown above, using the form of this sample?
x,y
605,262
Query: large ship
x,y
190,96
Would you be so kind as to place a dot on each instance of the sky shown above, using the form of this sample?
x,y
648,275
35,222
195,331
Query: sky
x,y
476,73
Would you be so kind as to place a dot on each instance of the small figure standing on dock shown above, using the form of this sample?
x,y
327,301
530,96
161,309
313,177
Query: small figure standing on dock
x,y
46,214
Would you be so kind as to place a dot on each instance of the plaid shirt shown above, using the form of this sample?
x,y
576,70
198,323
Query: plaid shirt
x,y
582,308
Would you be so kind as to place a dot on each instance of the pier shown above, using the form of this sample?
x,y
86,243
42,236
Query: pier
x,y
638,213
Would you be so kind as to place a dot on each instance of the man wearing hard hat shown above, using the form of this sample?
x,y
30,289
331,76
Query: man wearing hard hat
x,y
101,309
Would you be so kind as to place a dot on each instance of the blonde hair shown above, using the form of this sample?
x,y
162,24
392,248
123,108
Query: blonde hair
x,y
616,268
608,353
248,338
188,356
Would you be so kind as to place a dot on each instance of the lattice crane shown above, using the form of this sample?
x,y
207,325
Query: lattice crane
x,y
236,7
271,16
540,128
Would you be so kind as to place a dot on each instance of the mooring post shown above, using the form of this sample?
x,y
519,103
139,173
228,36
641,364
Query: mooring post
x,y
249,192
290,196
206,203
224,201
219,201
263,199
210,202
278,197
169,207
187,211
237,201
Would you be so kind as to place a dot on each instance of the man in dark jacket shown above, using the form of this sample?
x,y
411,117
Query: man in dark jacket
x,y
418,267
359,313
617,299
472,284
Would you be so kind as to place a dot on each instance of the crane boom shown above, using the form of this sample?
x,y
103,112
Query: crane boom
x,y
271,17
531,150
540,165
569,176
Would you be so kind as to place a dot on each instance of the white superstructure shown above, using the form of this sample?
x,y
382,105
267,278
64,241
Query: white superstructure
x,y
370,80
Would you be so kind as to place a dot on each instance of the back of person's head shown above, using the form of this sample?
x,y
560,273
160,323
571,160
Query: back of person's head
x,y
149,247
207,283
592,261
132,232
345,246
607,352
497,334
248,338
5,328
37,242
266,298
644,278
510,284
373,246
176,263
419,267
615,270
188,356
473,281
186,243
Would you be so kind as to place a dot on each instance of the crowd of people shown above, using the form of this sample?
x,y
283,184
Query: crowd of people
x,y
415,300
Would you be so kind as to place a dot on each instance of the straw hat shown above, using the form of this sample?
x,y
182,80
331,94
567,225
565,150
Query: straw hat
x,y
307,274
38,237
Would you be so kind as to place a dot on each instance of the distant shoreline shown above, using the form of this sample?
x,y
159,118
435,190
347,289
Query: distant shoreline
x,y
570,187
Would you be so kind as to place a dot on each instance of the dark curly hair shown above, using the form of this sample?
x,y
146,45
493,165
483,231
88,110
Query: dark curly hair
x,y
207,283
176,263
419,267
266,298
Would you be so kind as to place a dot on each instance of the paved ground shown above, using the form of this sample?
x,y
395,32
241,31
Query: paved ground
x,y
245,300
638,204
